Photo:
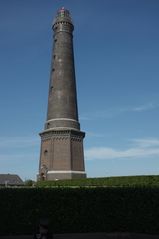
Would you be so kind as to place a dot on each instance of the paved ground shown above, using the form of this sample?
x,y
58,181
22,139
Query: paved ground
x,y
91,236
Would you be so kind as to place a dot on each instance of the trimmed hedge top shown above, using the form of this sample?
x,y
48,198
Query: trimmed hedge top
x,y
126,181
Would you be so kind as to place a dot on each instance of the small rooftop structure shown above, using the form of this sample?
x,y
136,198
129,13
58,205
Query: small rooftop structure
x,y
63,15
10,180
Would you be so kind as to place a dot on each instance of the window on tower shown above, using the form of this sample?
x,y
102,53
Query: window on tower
x,y
45,152
51,88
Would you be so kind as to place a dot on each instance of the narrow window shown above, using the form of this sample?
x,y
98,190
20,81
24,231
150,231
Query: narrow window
x,y
45,152
51,88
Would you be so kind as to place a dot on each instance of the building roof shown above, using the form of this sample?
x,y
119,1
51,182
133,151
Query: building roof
x,y
10,179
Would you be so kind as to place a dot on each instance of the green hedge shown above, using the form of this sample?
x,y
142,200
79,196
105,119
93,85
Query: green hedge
x,y
80,209
109,181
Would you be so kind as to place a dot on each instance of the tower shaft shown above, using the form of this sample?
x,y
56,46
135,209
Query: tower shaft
x,y
62,141
62,104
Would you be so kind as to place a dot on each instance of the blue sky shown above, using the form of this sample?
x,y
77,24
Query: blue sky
x,y
116,46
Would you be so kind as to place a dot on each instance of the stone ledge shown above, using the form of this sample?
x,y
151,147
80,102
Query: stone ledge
x,y
91,236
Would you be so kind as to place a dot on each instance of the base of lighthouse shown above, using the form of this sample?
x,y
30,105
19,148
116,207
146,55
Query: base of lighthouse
x,y
57,175
61,155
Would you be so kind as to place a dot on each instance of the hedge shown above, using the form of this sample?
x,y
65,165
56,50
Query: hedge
x,y
108,181
80,209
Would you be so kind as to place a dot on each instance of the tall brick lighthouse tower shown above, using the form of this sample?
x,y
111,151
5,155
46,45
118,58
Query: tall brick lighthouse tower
x,y
61,155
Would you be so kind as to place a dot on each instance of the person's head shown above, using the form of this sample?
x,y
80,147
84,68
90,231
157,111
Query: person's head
x,y
43,226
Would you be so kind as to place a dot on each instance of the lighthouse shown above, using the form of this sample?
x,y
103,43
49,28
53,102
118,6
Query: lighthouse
x,y
62,154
